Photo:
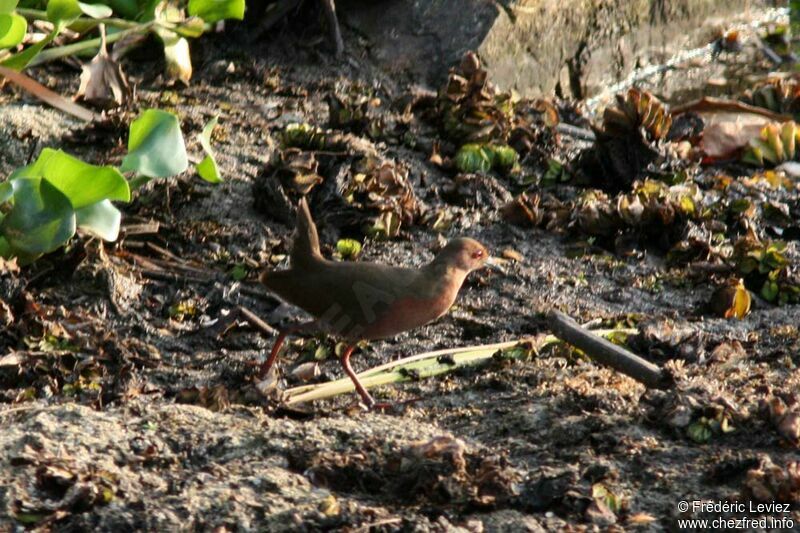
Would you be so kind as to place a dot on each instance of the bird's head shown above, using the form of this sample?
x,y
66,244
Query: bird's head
x,y
464,254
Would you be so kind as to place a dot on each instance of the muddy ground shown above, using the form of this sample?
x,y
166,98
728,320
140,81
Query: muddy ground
x,y
120,414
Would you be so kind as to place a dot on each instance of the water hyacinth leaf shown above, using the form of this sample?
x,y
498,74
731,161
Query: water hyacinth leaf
x,y
699,432
83,184
101,219
505,157
12,29
95,11
215,10
769,291
5,249
207,168
155,146
129,9
348,248
41,220
63,10
6,192
20,61
474,158
8,6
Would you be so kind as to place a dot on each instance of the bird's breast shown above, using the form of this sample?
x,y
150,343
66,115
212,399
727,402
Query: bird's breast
x,y
408,313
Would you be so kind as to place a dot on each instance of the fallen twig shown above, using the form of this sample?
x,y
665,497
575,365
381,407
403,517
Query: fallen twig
x,y
47,96
256,322
711,105
607,353
576,132
768,52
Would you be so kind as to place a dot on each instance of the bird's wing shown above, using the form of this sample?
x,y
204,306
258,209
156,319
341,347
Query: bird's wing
x,y
348,297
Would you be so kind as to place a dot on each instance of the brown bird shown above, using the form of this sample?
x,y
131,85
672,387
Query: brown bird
x,y
366,301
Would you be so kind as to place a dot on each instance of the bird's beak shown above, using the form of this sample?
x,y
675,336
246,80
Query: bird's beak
x,y
495,264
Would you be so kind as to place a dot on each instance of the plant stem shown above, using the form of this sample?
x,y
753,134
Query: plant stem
x,y
82,23
83,46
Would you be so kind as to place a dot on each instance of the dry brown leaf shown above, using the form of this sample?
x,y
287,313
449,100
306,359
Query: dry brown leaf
x,y
726,132
103,83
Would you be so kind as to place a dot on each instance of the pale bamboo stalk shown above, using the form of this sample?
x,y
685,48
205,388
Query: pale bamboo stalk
x,y
424,365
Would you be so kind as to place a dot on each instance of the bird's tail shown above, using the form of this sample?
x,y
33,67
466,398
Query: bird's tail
x,y
305,249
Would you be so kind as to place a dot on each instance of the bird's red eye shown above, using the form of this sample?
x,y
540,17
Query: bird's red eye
x,y
477,254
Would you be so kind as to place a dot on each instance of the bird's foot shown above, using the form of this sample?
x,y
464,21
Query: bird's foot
x,y
383,407
267,385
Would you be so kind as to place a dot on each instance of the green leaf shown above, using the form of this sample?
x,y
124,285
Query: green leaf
x,y
769,290
699,431
505,157
82,183
238,272
96,11
214,10
8,6
474,158
155,146
128,9
6,191
12,29
19,61
63,10
207,168
41,220
5,249
101,219
192,28
348,248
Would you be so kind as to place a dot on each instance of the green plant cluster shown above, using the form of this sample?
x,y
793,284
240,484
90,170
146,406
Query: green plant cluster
x,y
767,269
172,22
43,204
483,157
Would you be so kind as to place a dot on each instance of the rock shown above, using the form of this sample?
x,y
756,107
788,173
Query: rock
x,y
529,45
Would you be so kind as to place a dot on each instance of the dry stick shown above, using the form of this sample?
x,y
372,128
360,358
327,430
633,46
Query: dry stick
x,y
709,104
768,52
47,96
256,322
606,352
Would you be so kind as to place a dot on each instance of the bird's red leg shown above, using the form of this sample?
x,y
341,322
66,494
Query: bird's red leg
x,y
266,366
345,360
365,396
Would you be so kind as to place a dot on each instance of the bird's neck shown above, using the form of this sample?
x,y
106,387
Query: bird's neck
x,y
446,274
